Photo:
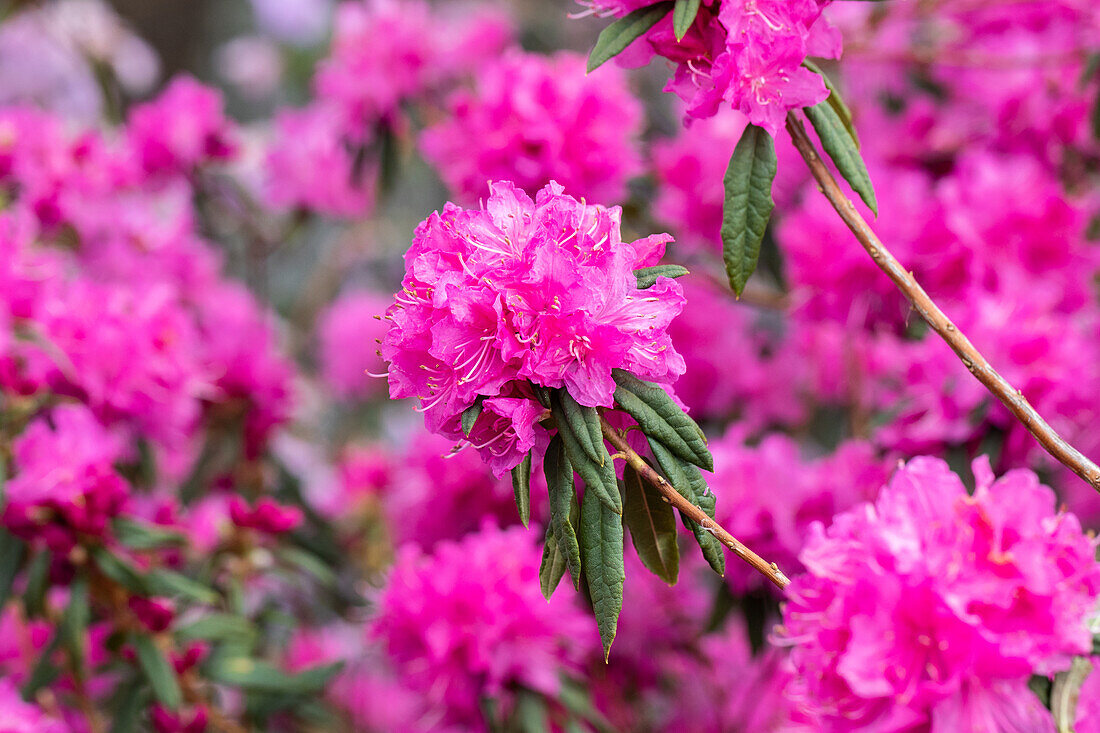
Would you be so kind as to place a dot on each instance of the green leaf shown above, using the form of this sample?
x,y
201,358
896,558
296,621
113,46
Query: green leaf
x,y
652,525
598,475
310,564
521,487
552,567
842,149
584,422
120,571
661,418
73,629
836,101
616,37
45,671
601,539
687,480
471,414
563,506
683,16
128,704
531,715
11,557
217,627
748,205
162,582
144,536
647,276
159,671
38,581
260,676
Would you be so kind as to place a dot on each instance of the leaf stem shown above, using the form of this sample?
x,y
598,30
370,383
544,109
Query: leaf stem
x,y
971,358
769,570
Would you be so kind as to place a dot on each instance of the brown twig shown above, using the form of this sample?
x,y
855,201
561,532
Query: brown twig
x,y
971,358
769,570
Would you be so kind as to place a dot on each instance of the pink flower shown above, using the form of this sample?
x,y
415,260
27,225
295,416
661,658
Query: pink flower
x,y
932,607
772,515
385,53
266,515
469,621
242,352
524,291
130,355
533,119
17,716
349,332
309,166
744,54
65,486
183,128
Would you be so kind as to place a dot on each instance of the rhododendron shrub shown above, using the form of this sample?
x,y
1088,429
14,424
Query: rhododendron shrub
x,y
212,518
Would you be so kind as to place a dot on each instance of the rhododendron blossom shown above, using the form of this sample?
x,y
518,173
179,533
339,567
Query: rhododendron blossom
x,y
932,607
65,485
744,54
469,621
525,292
533,120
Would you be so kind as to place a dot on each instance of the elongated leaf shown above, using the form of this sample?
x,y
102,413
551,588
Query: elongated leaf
x,y
584,422
471,414
598,476
38,580
563,505
217,627
683,16
74,621
45,670
521,487
128,703
836,102
652,525
687,480
120,571
748,205
164,582
616,37
143,536
260,676
552,567
11,556
531,715
310,564
601,538
647,276
661,418
159,672
841,148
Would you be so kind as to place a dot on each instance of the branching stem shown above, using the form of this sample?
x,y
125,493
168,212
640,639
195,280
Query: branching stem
x,y
971,358
769,570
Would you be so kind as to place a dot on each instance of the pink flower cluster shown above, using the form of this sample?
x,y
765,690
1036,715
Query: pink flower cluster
x,y
931,608
743,54
469,621
524,291
348,333
65,486
769,495
110,295
533,119
386,56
